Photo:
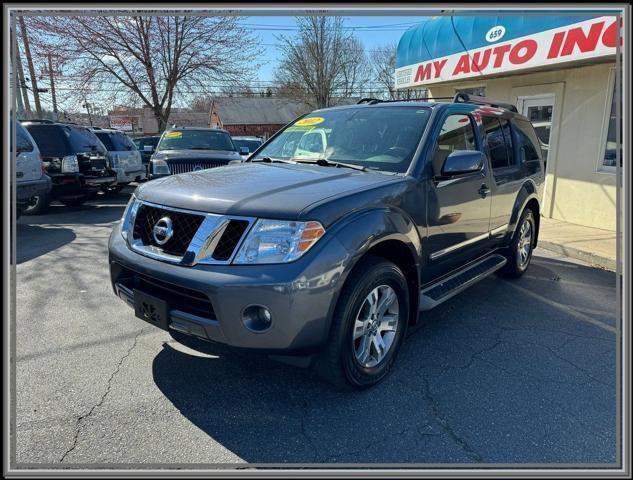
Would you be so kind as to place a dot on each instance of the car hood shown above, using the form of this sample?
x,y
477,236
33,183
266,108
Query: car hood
x,y
277,190
196,155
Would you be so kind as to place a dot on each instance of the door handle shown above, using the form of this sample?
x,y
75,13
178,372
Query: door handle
x,y
484,190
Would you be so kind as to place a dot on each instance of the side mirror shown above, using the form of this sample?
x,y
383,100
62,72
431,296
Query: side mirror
x,y
461,162
148,148
244,150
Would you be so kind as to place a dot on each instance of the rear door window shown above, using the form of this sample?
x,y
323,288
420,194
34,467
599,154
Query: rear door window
x,y
116,142
83,140
528,142
494,143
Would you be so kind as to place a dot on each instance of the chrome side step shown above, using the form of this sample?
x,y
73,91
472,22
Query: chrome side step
x,y
446,288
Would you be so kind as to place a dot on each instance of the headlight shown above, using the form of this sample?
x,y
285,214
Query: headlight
x,y
160,167
70,164
129,215
278,241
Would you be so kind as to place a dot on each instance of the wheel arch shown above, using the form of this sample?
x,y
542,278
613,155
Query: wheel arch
x,y
388,233
526,198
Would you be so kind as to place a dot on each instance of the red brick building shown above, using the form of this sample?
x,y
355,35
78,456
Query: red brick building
x,y
254,116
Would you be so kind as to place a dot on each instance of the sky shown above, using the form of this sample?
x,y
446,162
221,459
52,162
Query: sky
x,y
373,32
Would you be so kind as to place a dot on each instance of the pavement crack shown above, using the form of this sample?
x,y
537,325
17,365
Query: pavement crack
x,y
443,423
81,420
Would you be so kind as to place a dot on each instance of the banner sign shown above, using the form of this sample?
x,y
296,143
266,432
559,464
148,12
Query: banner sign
x,y
121,123
579,41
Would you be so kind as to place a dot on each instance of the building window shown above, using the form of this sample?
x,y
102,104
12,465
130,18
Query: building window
x,y
479,91
611,147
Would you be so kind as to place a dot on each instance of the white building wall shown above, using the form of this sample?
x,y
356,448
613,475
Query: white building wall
x,y
577,191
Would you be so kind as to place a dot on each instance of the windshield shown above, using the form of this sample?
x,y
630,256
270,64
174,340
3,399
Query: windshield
x,y
378,138
252,145
195,140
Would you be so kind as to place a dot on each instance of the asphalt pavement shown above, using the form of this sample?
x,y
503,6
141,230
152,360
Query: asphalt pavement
x,y
506,372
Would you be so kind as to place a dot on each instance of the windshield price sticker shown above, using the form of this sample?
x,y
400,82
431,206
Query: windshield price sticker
x,y
304,122
173,135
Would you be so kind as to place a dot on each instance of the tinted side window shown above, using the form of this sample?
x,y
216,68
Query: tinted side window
x,y
457,134
83,140
528,142
22,141
494,142
507,137
105,139
123,142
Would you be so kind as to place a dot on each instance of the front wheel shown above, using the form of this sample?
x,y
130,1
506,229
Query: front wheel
x,y
521,247
368,326
38,205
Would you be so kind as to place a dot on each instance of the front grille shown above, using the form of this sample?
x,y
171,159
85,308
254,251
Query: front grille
x,y
177,297
185,167
231,236
185,225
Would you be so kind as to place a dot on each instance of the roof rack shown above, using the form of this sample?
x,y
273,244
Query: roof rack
x,y
458,98
467,98
369,101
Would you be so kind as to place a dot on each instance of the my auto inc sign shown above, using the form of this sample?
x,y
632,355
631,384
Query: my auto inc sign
x,y
584,40
121,123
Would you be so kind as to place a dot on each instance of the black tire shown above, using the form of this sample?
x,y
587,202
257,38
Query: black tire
x,y
516,264
338,363
73,202
39,206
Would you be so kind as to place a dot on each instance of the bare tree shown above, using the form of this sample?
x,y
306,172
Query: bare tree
x,y
152,58
355,68
321,62
383,63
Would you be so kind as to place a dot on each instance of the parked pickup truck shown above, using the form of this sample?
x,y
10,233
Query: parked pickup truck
x,y
330,259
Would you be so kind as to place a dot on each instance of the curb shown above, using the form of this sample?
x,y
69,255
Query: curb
x,y
591,258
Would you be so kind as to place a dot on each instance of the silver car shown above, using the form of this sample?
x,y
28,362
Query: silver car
x,y
124,157
32,183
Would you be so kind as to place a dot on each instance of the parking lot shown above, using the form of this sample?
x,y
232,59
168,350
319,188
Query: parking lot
x,y
506,372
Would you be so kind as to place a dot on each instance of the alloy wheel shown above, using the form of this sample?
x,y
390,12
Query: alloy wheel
x,y
375,326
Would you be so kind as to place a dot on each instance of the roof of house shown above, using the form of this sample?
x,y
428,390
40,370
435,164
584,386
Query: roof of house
x,y
258,110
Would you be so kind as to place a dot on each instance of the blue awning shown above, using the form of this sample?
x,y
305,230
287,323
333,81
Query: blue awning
x,y
441,36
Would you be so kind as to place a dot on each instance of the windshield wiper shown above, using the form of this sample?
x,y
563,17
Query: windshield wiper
x,y
327,163
272,160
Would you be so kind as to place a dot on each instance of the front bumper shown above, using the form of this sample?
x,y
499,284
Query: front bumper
x,y
33,188
298,294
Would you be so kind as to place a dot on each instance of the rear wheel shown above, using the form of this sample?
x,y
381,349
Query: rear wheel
x,y
38,205
368,327
521,247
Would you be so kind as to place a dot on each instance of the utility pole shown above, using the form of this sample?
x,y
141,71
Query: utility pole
x,y
52,76
29,60
87,106
21,81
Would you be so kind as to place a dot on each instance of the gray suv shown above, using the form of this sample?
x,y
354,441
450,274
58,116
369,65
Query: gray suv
x,y
326,259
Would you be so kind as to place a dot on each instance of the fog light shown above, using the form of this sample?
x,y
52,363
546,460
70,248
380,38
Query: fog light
x,y
257,318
